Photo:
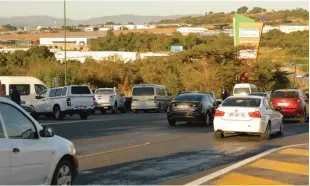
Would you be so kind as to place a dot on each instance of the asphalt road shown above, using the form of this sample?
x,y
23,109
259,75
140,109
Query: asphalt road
x,y
143,149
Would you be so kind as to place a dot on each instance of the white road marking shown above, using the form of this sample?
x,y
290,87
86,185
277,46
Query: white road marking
x,y
79,121
237,165
114,150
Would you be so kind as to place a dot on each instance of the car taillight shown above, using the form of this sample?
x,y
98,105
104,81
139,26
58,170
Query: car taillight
x,y
255,114
111,98
69,101
155,99
94,100
219,113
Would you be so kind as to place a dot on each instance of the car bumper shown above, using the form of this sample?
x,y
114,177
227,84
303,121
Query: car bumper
x,y
291,112
185,116
78,111
104,105
144,106
255,126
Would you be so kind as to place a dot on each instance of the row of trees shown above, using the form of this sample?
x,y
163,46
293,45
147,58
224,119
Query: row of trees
x,y
203,68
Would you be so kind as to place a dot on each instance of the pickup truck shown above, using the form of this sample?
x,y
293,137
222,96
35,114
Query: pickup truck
x,y
73,99
109,99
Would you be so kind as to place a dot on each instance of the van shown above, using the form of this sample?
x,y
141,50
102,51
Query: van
x,y
27,86
148,97
244,89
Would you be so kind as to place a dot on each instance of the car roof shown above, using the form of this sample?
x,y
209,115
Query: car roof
x,y
192,94
296,90
258,97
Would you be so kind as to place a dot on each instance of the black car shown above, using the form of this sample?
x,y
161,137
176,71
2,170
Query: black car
x,y
192,107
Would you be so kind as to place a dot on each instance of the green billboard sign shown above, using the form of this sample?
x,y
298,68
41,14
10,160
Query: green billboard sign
x,y
236,21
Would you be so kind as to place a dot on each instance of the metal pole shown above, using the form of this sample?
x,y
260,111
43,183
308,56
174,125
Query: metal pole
x,y
295,72
65,24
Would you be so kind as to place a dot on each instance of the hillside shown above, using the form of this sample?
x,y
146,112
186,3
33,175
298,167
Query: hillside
x,y
259,14
34,21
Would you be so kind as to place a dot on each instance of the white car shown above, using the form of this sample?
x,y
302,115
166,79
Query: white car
x,y
247,114
109,99
31,154
73,99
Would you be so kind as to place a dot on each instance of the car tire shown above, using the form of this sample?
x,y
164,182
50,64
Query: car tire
x,y
171,122
306,117
102,111
135,111
58,114
83,115
123,110
207,119
266,135
63,173
219,135
114,109
280,133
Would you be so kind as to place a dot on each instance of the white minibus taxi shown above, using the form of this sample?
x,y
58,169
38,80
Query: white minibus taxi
x,y
27,86
244,89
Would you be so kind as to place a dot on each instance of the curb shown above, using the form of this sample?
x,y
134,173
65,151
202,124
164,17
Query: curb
x,y
237,165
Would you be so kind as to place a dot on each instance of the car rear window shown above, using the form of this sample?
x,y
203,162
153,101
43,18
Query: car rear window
x,y
241,90
184,97
105,91
80,90
143,91
258,94
285,94
242,102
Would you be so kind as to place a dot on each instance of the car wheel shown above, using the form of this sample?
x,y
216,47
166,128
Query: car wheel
x,y
219,135
102,111
171,122
280,133
207,119
305,116
83,115
114,110
266,135
63,174
134,111
57,113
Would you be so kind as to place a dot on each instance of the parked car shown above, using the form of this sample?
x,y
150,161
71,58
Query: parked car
x,y
28,90
294,103
27,108
249,115
263,94
150,97
109,99
73,99
32,154
191,107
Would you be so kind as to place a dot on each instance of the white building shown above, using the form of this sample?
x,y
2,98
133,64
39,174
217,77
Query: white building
x,y
104,29
89,29
78,41
125,56
189,30
117,27
267,28
288,28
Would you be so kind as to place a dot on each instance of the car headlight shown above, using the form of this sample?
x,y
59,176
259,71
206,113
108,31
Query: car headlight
x,y
73,149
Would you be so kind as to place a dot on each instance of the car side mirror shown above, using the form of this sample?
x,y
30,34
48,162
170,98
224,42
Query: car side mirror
x,y
37,97
278,108
47,132
218,102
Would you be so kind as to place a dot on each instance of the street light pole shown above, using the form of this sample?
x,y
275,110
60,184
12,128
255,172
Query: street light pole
x,y
65,27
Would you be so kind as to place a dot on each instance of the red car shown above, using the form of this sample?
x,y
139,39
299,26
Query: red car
x,y
294,103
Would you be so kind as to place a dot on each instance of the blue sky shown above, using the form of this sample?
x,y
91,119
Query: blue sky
x,y
90,9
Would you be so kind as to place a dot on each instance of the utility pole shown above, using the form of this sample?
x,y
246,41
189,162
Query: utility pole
x,y
295,71
65,27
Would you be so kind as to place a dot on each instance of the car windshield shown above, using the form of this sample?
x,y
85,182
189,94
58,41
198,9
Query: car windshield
x,y
187,97
143,91
285,94
241,90
104,91
241,102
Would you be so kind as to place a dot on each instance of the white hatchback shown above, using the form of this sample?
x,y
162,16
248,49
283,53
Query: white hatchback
x,y
31,154
247,114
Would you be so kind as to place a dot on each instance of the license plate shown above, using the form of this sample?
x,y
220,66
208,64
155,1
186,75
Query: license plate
x,y
143,106
80,107
237,114
283,104
183,106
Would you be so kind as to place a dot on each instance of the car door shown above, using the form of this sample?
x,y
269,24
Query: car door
x,y
120,99
40,104
272,115
30,155
5,156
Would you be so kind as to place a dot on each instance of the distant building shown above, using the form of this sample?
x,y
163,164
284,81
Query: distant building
x,y
101,55
288,28
104,29
269,10
267,28
189,30
72,42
